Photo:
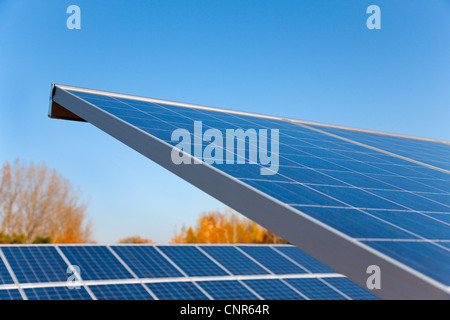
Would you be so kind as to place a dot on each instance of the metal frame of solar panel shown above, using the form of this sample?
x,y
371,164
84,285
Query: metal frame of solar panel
x,y
326,184
166,272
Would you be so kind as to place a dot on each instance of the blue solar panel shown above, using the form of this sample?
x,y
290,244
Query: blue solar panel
x,y
146,262
5,277
57,293
10,294
36,263
227,290
192,261
421,256
433,153
131,291
233,260
318,170
351,289
309,263
358,224
315,289
272,260
273,289
95,262
176,291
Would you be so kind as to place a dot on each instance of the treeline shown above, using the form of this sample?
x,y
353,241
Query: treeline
x,y
38,205
225,227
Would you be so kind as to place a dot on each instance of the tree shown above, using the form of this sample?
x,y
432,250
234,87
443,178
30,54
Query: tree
x,y
39,203
12,238
228,227
136,239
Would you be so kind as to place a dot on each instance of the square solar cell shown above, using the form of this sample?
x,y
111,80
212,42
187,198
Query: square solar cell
x,y
351,289
146,262
227,290
359,223
233,260
272,260
192,261
36,263
409,200
57,293
5,277
10,294
358,198
131,291
273,289
306,261
360,180
292,193
315,289
176,291
95,262
421,224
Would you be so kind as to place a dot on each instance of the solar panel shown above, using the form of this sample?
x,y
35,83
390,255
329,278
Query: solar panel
x,y
256,281
146,262
5,278
192,261
57,293
429,152
36,263
307,262
272,260
176,291
273,289
303,207
234,260
315,289
121,292
227,290
12,294
95,262
350,289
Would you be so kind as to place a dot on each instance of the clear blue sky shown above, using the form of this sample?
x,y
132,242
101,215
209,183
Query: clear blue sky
x,y
310,60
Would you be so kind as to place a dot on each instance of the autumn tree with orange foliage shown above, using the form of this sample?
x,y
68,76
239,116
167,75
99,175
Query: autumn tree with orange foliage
x,y
228,227
39,203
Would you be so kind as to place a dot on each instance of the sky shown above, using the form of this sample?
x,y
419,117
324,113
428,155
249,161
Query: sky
x,y
308,60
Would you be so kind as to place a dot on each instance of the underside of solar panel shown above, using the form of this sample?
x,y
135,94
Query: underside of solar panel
x,y
364,203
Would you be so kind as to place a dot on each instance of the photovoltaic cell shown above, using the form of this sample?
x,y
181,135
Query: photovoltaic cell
x,y
429,152
95,262
10,294
273,289
358,224
36,263
306,261
192,261
315,289
176,291
130,291
146,262
57,293
5,278
234,260
421,256
272,260
351,289
227,290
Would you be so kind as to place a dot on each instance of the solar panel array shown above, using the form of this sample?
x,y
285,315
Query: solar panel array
x,y
386,196
150,272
